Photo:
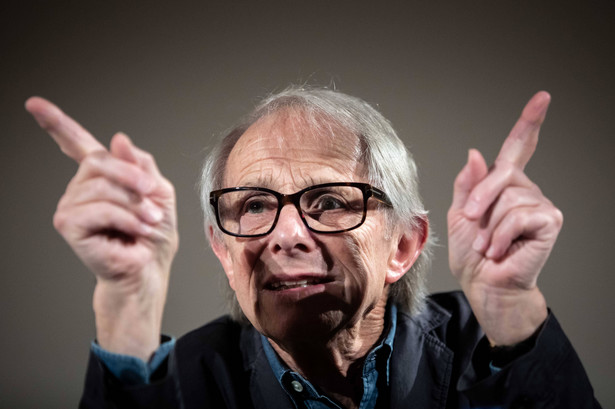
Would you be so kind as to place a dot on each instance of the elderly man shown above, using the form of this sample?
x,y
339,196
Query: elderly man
x,y
311,205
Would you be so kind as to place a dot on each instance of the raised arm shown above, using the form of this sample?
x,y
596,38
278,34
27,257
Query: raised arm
x,y
118,215
501,231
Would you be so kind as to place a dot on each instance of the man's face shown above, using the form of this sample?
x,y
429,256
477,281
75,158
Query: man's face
x,y
329,282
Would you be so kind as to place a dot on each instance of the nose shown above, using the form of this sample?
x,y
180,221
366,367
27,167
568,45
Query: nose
x,y
290,233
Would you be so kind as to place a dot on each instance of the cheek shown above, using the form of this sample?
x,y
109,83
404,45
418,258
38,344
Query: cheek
x,y
245,259
366,265
244,283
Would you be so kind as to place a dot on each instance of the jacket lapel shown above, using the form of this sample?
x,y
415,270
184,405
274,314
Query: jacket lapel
x,y
265,389
421,364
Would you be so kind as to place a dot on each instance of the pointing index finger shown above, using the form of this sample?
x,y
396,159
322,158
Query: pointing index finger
x,y
70,136
521,143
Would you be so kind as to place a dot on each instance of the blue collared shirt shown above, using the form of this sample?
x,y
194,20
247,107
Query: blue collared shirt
x,y
376,370
132,370
375,374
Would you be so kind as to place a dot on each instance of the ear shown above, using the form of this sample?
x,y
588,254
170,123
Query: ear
x,y
409,245
221,251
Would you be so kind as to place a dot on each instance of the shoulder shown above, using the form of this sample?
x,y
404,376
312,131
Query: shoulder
x,y
220,333
223,337
454,303
441,308
213,363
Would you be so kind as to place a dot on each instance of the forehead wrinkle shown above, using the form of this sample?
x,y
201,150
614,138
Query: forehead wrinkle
x,y
278,144
265,175
310,129
300,172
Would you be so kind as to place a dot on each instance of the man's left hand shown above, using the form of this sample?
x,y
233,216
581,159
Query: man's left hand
x,y
501,230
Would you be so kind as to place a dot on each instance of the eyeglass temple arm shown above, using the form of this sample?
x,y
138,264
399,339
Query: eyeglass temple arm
x,y
380,195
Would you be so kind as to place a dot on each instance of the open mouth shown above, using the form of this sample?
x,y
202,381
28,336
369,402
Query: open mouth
x,y
288,285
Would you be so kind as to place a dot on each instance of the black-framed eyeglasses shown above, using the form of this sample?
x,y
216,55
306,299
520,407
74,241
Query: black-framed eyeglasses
x,y
326,208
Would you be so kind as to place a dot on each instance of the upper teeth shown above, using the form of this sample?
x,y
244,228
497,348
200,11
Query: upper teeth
x,y
300,283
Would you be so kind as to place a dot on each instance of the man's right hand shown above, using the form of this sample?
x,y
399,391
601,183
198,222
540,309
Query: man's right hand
x,y
118,215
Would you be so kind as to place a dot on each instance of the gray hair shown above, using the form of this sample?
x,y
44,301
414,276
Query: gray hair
x,y
389,165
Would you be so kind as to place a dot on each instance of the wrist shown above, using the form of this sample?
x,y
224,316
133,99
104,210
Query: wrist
x,y
128,322
509,317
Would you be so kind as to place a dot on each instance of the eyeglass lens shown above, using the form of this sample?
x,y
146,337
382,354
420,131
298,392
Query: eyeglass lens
x,y
325,209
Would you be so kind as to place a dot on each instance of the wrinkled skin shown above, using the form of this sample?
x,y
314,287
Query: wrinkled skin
x,y
338,320
118,215
501,230
277,153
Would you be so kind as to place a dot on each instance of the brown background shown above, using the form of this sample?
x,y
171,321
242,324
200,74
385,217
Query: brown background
x,y
450,76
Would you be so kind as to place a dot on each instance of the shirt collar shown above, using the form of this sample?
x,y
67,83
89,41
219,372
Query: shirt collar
x,y
380,353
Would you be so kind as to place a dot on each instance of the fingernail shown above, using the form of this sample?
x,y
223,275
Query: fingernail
x,y
154,215
478,244
145,229
150,212
491,252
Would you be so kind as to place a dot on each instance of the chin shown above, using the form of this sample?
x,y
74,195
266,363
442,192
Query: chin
x,y
301,324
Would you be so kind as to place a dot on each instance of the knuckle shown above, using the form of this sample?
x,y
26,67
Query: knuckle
x,y
168,187
99,186
66,202
63,202
552,215
89,162
93,160
516,218
460,181
174,242
510,197
106,213
506,169
535,188
59,221
148,157
132,178
510,171
478,194
558,217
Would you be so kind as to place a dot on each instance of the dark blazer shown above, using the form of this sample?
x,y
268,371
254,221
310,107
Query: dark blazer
x,y
440,360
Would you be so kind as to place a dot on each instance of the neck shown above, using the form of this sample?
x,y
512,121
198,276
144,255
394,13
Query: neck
x,y
338,366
